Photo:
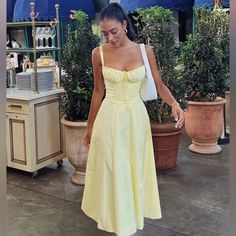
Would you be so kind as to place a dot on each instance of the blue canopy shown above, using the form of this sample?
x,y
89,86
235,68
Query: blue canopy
x,y
178,5
46,8
10,8
209,3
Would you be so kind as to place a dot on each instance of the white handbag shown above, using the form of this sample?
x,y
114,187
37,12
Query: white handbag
x,y
147,89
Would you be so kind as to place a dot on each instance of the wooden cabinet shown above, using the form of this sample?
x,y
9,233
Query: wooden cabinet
x,y
18,140
34,131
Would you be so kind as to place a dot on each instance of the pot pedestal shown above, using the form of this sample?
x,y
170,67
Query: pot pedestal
x,y
208,148
75,150
78,177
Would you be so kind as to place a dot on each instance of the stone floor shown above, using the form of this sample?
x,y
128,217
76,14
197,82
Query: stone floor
x,y
194,199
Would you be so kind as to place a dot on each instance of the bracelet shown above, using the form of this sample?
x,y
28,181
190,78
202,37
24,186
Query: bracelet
x,y
175,104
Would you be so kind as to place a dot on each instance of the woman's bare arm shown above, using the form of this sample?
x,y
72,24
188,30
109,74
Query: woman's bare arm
x,y
98,92
163,91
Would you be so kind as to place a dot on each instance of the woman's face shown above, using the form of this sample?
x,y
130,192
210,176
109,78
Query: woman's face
x,y
113,31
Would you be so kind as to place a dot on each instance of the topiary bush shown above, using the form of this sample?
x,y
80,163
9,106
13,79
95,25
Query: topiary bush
x,y
154,28
205,57
77,79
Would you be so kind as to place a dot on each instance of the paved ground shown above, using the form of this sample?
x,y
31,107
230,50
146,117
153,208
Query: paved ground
x,y
194,199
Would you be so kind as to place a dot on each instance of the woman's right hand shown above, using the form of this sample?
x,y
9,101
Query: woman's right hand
x,y
87,138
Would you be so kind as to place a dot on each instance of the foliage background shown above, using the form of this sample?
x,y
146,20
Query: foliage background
x,y
77,79
154,29
205,56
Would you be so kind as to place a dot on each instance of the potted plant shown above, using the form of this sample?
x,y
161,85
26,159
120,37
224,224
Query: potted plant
x,y
203,73
78,87
154,27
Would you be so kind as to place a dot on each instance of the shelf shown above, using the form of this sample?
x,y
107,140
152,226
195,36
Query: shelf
x,y
18,50
28,23
32,48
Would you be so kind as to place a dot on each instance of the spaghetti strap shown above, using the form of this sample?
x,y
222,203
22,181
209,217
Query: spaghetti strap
x,y
101,54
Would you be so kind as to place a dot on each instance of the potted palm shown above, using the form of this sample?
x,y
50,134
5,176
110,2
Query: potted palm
x,y
154,27
203,73
78,87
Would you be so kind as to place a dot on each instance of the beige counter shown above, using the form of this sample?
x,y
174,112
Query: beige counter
x,y
34,131
14,93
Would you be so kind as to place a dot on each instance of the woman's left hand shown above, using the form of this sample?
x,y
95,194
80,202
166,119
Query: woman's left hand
x,y
178,114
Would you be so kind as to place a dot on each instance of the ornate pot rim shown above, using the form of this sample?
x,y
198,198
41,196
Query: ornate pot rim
x,y
217,102
73,123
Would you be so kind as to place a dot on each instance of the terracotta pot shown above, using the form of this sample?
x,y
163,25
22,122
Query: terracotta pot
x,y
76,152
166,140
227,111
204,124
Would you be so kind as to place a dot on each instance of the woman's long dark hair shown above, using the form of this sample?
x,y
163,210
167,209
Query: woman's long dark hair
x,y
114,11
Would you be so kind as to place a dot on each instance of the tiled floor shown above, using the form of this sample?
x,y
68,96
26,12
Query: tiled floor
x,y
194,199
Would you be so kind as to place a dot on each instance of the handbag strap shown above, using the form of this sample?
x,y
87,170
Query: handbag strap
x,y
145,60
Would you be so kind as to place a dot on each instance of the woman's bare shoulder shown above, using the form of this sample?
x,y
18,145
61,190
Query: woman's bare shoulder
x,y
149,51
105,46
96,51
148,48
96,57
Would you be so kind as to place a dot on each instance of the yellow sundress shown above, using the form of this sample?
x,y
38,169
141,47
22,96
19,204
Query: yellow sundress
x,y
121,185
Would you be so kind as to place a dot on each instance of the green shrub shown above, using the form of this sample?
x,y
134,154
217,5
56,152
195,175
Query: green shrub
x,y
154,28
77,80
205,57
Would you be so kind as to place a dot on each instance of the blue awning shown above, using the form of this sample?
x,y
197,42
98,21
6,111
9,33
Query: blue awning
x,y
10,8
46,8
209,3
178,5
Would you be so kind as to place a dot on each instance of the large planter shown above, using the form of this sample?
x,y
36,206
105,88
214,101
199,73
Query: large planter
x,y
204,124
76,152
166,140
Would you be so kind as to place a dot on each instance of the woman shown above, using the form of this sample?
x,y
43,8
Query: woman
x,y
121,185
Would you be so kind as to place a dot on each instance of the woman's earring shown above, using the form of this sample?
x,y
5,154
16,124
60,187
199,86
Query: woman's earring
x,y
126,31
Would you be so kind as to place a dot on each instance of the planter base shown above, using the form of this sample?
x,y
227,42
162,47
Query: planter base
x,y
78,178
75,150
205,149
